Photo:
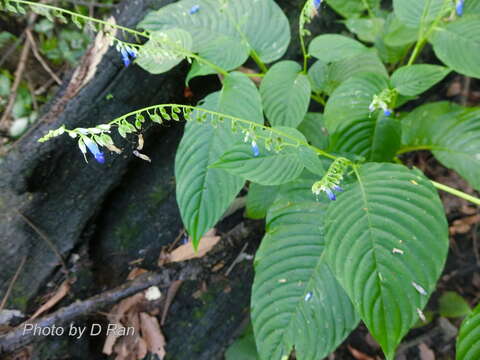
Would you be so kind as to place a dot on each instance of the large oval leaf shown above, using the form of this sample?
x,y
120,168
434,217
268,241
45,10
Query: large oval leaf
x,y
458,45
296,300
327,77
350,101
415,79
251,24
468,341
285,93
268,167
414,13
203,194
451,132
387,241
333,47
164,50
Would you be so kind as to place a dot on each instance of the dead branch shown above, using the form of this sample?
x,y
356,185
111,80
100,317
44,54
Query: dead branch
x,y
16,339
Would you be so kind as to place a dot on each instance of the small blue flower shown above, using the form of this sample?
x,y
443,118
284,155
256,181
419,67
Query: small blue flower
x,y
337,188
255,149
93,148
330,194
308,296
459,7
387,112
127,55
184,240
194,9
316,3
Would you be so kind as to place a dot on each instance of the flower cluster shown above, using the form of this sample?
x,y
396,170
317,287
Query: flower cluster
x,y
128,55
332,179
382,102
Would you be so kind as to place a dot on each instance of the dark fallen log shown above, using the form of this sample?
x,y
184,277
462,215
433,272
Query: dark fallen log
x,y
118,212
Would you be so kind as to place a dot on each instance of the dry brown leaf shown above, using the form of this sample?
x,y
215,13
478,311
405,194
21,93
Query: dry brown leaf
x,y
425,352
172,291
135,272
256,79
463,225
152,335
61,292
359,355
186,251
118,312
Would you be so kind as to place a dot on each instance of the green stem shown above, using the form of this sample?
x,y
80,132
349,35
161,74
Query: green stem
x,y
84,17
369,10
318,151
318,99
258,61
456,192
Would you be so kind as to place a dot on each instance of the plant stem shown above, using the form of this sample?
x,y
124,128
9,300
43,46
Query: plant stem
x,y
318,99
84,17
456,192
258,61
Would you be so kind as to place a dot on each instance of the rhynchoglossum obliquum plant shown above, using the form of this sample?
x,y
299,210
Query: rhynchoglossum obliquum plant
x,y
352,234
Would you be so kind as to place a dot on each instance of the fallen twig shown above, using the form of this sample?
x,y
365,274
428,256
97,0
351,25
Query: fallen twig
x,y
16,338
10,286
39,57
16,83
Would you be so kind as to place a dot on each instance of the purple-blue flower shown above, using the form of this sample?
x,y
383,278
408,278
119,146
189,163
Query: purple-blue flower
x,y
316,3
255,149
93,148
387,112
459,7
127,55
337,188
194,9
330,194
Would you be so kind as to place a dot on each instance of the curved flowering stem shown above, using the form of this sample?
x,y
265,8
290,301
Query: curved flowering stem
x,y
187,109
75,16
157,113
309,10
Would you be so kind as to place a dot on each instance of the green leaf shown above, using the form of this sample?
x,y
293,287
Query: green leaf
x,y
453,305
252,25
468,340
354,138
244,347
198,69
458,44
203,193
451,132
327,77
398,34
387,138
285,93
471,7
366,29
387,241
269,167
313,128
350,101
347,8
259,199
415,79
415,13
296,300
333,47
164,50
